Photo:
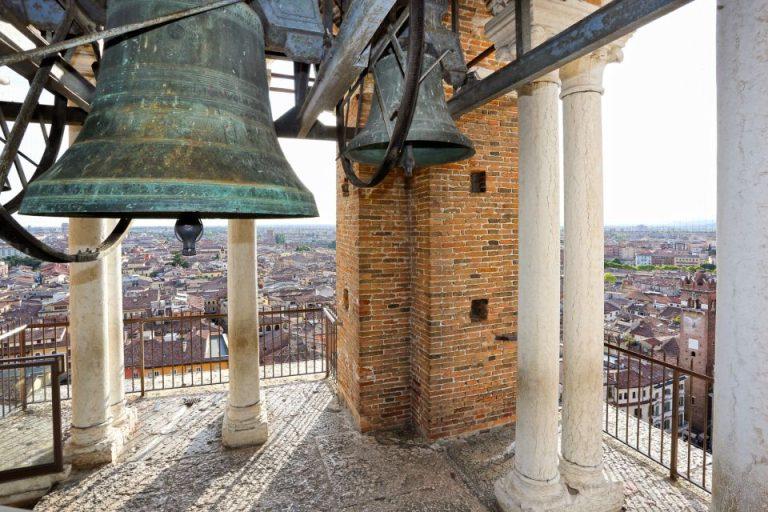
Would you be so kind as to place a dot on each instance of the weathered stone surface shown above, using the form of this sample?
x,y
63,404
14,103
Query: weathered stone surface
x,y
314,460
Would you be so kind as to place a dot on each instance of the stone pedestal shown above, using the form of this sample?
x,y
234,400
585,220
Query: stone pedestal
x,y
245,426
245,420
740,464
581,465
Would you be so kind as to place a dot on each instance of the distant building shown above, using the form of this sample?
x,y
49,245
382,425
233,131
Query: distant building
x,y
627,253
6,251
646,391
698,298
643,258
687,261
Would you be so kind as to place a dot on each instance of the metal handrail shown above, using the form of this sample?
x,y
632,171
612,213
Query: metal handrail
x,y
660,362
677,374
144,362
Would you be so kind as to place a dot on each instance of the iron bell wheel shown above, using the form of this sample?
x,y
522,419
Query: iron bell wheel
x,y
433,135
180,124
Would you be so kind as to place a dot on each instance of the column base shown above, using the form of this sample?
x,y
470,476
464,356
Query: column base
x,y
124,422
245,426
101,444
517,493
595,493
28,490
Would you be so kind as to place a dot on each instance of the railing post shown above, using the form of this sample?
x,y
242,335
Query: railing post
x,y
326,343
141,355
675,424
23,378
57,368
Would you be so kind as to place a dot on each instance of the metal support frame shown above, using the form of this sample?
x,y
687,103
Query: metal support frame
x,y
58,46
43,113
64,80
342,67
608,23
523,18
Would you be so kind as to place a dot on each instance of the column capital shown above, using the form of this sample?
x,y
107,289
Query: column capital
x,y
548,18
586,73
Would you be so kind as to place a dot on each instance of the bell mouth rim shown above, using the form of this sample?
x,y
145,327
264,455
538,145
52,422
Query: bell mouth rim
x,y
460,152
165,199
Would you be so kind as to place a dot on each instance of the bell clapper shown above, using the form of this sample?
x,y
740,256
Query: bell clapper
x,y
189,230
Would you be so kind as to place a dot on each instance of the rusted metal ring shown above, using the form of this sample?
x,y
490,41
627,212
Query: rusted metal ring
x,y
15,234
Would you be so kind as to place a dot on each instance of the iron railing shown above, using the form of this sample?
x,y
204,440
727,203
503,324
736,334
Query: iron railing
x,y
661,410
48,337
26,452
175,351
331,337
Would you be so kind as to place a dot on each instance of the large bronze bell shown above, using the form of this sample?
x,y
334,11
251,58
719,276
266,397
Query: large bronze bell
x,y
433,134
180,124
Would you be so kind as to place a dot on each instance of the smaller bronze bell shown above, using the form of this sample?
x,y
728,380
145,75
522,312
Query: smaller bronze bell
x,y
433,134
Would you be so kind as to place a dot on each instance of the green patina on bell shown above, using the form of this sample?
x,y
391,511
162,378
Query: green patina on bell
x,y
181,123
433,134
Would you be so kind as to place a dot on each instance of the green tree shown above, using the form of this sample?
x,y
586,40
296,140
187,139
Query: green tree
x,y
332,245
179,261
610,278
280,239
15,261
303,248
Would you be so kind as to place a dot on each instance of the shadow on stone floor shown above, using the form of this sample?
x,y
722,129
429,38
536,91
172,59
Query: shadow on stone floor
x,y
314,460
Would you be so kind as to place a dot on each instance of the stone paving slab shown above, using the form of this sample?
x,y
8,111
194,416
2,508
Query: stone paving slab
x,y
368,469
315,461
26,437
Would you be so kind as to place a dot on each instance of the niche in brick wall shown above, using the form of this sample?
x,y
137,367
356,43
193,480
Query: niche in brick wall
x,y
477,182
345,300
479,310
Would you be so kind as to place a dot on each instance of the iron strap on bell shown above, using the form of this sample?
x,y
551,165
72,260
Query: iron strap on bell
x,y
181,124
433,136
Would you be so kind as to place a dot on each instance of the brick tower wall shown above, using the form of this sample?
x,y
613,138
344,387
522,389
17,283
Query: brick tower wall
x,y
412,255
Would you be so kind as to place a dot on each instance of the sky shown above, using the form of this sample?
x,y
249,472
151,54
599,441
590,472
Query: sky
x,y
659,128
660,122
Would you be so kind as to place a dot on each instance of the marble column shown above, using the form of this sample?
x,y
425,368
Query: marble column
x,y
245,419
94,440
581,464
123,417
740,462
534,482
91,439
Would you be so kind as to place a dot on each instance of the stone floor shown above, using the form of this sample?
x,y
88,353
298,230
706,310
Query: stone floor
x,y
26,438
315,461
